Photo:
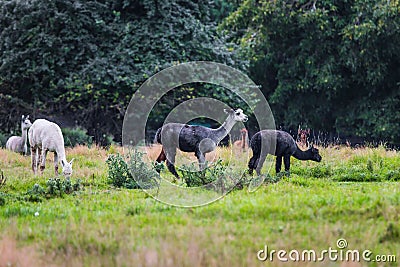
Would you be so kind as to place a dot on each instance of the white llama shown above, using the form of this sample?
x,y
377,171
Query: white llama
x,y
19,143
46,136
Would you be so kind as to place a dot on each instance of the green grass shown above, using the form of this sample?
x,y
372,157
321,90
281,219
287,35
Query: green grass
x,y
351,194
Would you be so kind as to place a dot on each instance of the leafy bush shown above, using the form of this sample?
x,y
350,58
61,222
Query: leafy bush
x,y
76,136
118,172
132,175
55,187
217,172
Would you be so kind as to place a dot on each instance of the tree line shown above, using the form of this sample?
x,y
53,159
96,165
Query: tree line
x,y
331,65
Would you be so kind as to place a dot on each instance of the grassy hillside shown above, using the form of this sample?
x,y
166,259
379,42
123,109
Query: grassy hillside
x,y
352,194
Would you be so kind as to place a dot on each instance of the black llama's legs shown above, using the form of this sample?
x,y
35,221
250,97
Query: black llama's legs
x,y
255,145
252,163
286,160
170,155
259,163
202,159
278,164
171,168
162,156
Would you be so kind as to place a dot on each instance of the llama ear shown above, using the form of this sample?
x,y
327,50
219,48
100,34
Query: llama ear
x,y
23,117
71,161
228,111
27,117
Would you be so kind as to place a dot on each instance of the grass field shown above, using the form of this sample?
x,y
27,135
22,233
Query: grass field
x,y
352,194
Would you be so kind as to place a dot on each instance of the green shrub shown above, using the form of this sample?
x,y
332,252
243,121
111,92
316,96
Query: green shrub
x,y
58,187
55,187
118,172
132,175
216,172
76,136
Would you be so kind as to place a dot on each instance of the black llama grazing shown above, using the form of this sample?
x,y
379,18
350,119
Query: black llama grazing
x,y
197,139
285,147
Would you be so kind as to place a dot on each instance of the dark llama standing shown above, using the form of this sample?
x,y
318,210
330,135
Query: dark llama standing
x,y
197,139
261,142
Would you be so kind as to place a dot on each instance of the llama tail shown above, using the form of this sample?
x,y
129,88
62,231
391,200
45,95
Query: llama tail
x,y
157,137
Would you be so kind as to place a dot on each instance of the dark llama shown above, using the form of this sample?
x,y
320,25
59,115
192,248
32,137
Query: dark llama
x,y
198,139
286,146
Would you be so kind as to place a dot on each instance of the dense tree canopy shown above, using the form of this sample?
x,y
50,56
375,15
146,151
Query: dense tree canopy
x,y
88,57
333,65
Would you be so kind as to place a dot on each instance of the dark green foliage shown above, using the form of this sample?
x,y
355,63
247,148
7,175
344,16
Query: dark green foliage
x,y
3,140
56,187
88,57
144,175
159,166
118,172
76,136
215,177
132,175
193,177
332,66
